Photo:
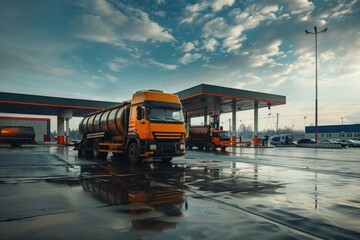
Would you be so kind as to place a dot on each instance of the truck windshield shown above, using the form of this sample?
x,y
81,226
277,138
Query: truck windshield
x,y
155,114
224,135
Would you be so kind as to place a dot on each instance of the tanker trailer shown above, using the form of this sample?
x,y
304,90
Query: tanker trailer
x,y
208,138
151,125
17,135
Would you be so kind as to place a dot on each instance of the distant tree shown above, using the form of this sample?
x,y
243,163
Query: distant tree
x,y
53,135
75,134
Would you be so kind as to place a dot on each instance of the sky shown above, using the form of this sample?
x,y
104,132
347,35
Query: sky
x,y
108,49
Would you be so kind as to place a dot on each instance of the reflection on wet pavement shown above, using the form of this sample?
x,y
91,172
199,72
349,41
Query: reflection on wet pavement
x,y
143,188
241,193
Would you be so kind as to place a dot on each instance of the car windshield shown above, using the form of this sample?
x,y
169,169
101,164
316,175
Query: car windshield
x,y
165,114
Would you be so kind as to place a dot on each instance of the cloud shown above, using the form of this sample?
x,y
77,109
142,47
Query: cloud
x,y
90,84
194,11
264,55
14,60
217,5
188,47
231,29
167,67
340,10
118,64
240,79
220,29
216,67
300,6
160,2
111,78
211,44
160,13
252,16
103,22
188,58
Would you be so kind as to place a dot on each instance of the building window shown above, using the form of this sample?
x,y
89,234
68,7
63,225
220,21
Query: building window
x,y
349,135
342,134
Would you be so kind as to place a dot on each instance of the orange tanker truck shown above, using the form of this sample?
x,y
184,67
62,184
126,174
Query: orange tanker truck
x,y
208,138
151,125
17,135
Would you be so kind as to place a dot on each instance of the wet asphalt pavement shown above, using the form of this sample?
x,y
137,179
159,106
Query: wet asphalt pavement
x,y
47,192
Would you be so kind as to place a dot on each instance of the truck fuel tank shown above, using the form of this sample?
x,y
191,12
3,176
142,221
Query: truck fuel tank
x,y
111,120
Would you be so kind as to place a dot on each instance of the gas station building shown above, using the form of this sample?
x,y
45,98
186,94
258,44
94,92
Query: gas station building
x,y
208,101
211,101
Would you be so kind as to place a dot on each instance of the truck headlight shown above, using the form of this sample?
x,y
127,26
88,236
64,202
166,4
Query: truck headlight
x,y
152,147
182,146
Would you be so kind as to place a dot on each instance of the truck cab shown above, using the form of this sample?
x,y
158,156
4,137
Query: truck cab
x,y
220,138
208,138
157,125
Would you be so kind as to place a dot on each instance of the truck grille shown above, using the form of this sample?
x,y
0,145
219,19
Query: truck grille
x,y
165,148
167,136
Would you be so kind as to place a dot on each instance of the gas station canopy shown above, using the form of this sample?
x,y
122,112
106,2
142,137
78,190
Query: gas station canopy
x,y
205,98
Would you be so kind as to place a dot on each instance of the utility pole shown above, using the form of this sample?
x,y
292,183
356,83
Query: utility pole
x,y
342,121
316,80
277,123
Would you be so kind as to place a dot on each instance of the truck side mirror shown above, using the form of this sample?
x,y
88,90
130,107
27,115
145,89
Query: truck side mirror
x,y
139,113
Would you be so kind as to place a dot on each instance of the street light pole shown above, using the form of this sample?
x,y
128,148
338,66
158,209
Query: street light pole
x,y
316,80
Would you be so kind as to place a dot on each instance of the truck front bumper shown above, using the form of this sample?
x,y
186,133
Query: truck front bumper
x,y
164,149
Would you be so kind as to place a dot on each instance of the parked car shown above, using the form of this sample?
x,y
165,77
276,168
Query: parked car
x,y
282,139
306,141
328,141
343,144
333,141
350,142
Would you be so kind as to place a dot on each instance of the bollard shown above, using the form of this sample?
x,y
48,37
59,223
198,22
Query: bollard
x,y
256,141
60,140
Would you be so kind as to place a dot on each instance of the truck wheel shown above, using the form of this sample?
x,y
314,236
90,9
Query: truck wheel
x,y
213,147
82,152
133,153
15,143
95,149
223,148
166,159
189,146
96,154
207,146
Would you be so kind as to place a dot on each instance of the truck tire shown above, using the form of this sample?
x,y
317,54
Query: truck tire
x,y
95,151
15,143
133,153
168,159
223,148
190,146
213,147
207,147
82,152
